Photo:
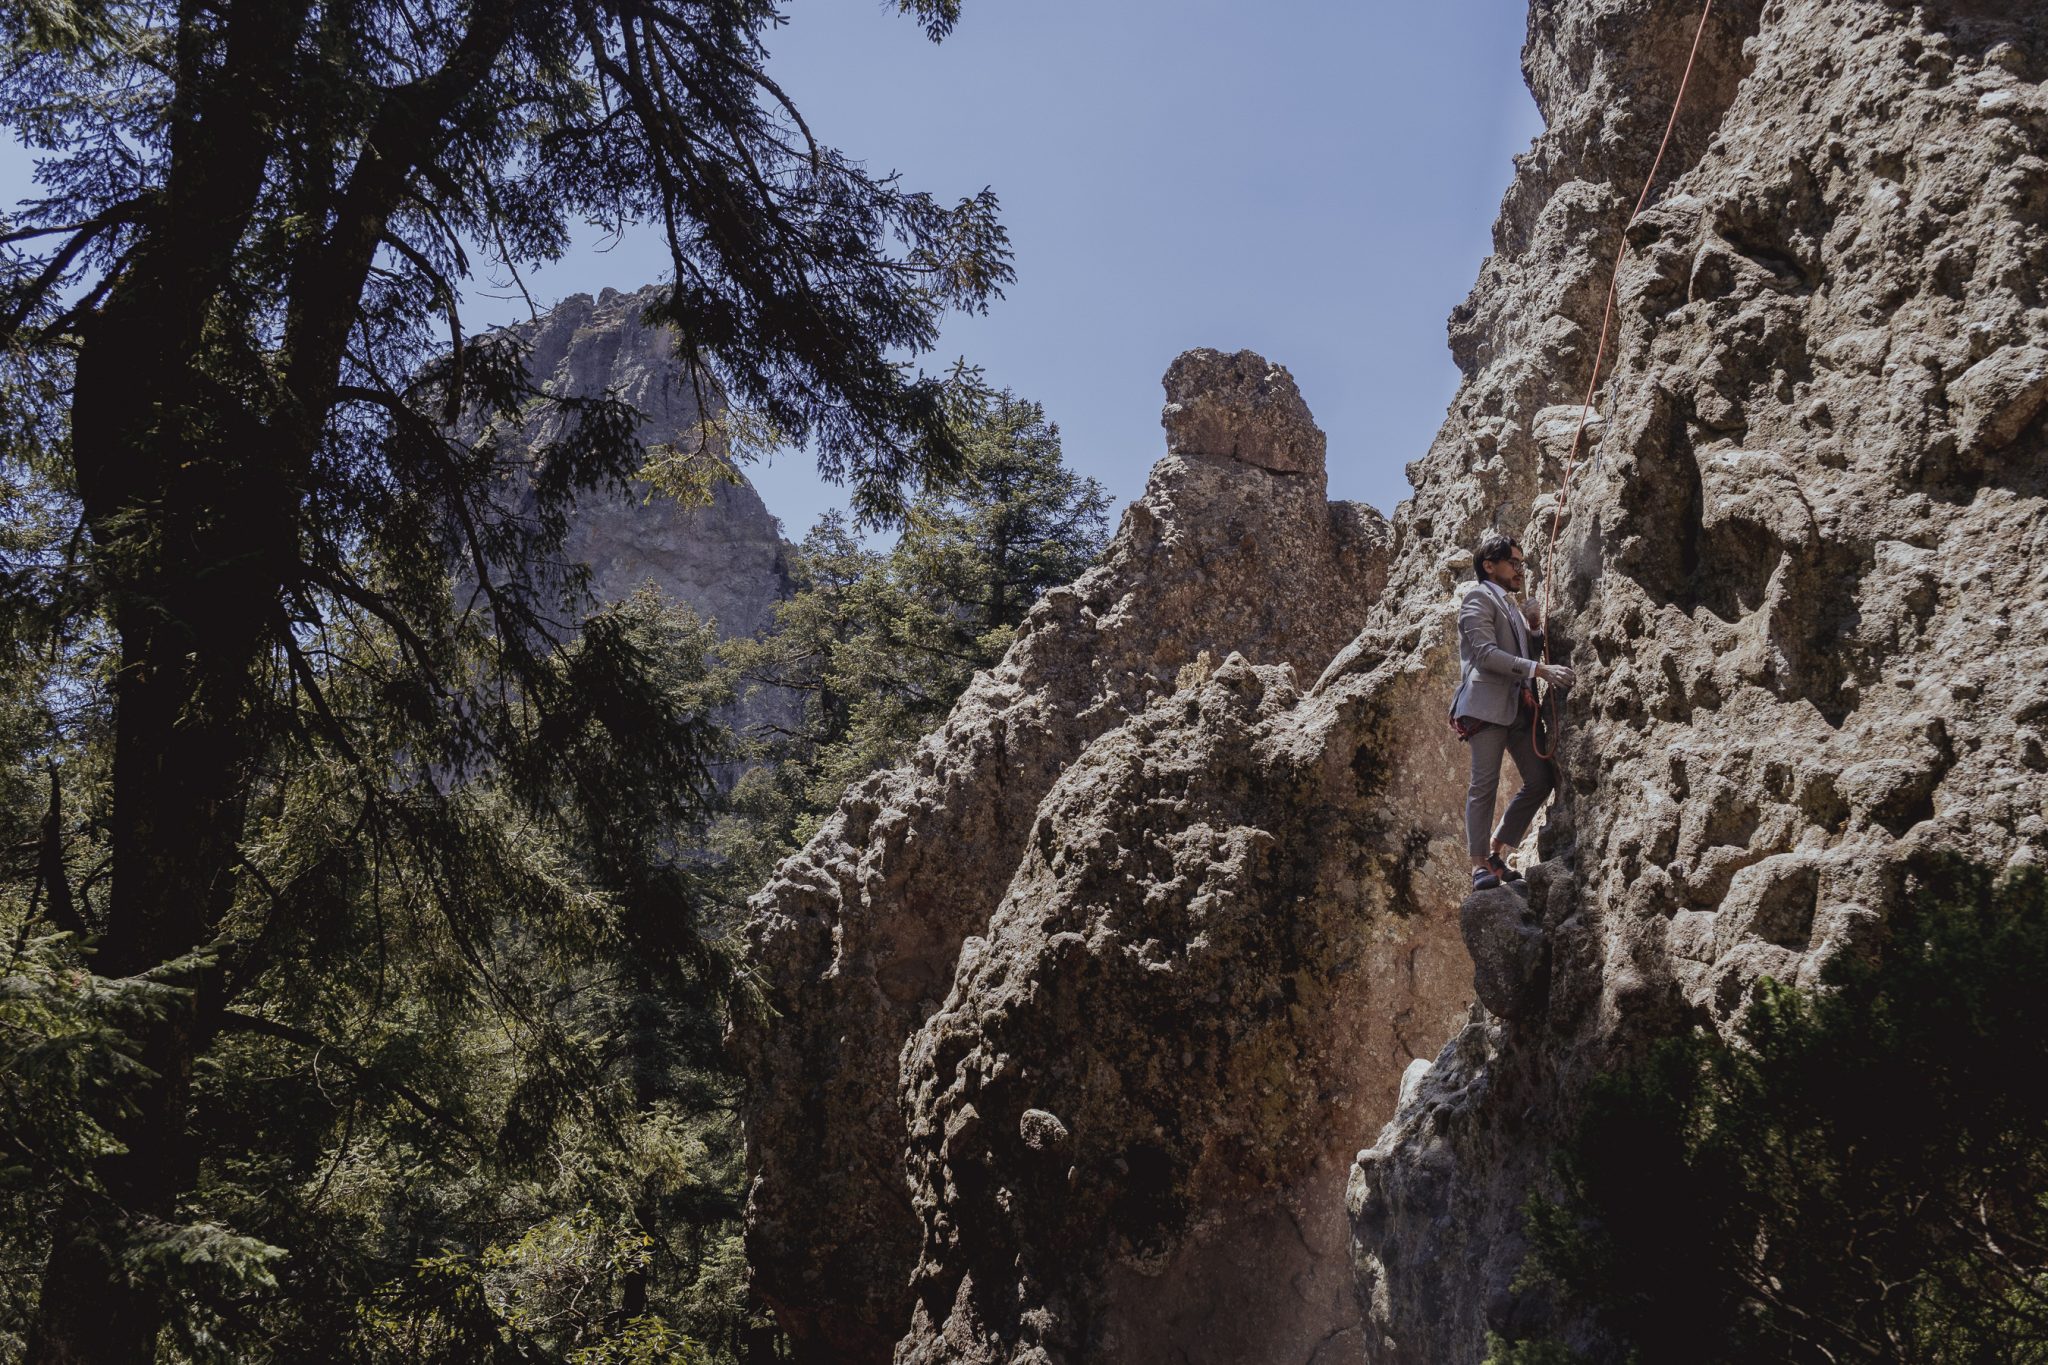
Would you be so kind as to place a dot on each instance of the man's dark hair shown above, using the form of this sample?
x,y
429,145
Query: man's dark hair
x,y
1492,549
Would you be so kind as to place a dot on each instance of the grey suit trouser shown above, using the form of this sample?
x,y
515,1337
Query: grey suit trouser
x,y
1537,779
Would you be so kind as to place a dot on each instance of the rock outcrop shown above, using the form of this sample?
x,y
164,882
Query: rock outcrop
x,y
727,560
1218,589
1084,1012
1217,957
1800,576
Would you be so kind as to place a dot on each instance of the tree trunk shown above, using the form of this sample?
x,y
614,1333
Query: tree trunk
x,y
187,536
192,461
181,759
89,1312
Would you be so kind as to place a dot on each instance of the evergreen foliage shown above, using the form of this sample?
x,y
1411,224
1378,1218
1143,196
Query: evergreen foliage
x,y
362,990
1862,1174
491,1025
880,645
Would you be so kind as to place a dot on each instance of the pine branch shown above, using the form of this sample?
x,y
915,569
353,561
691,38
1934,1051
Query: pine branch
x,y
234,1021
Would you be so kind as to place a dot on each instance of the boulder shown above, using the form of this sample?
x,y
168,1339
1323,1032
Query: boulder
x,y
1998,396
1510,953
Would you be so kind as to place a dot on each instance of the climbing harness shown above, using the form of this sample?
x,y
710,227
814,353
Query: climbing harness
x,y
1555,726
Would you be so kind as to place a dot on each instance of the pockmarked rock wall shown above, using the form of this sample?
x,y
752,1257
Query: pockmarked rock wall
x,y
1801,576
1114,1029
1216,591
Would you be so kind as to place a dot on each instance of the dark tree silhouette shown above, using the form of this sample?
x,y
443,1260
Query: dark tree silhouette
x,y
234,324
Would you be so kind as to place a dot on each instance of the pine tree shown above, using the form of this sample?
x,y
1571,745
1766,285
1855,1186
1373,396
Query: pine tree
x,y
881,645
233,329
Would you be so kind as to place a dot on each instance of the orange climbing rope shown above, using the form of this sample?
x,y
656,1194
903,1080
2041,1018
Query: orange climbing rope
x,y
1592,384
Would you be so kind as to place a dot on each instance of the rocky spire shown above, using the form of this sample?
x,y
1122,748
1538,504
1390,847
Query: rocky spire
x,y
1223,564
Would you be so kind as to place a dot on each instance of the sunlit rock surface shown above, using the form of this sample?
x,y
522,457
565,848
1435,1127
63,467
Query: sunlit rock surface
x,y
1084,1014
1217,591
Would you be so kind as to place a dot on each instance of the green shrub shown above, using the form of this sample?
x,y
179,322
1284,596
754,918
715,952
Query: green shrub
x,y
1860,1174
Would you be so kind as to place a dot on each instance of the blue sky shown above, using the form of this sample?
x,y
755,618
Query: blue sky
x,y
1313,179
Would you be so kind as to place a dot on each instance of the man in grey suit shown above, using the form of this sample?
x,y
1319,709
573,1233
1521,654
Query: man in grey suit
x,y
1496,705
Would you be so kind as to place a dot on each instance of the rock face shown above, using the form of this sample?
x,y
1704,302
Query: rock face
x,y
1510,951
1238,406
1800,576
1212,605
1084,1012
726,560
1216,959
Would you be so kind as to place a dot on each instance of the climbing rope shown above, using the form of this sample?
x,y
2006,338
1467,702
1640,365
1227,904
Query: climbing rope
x,y
1555,728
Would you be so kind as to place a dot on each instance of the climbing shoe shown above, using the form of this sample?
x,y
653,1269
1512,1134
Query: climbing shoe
x,y
1502,870
1483,879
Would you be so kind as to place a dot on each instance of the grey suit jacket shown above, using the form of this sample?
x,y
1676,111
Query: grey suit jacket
x,y
1494,648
